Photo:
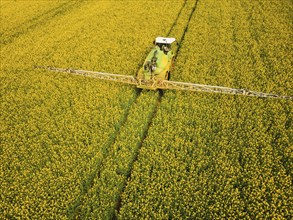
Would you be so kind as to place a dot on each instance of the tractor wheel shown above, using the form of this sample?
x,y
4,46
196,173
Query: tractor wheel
x,y
173,64
167,75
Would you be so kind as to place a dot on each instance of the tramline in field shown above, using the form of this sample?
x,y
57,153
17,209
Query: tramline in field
x,y
155,74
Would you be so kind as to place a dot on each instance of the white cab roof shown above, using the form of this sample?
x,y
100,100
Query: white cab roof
x,y
165,40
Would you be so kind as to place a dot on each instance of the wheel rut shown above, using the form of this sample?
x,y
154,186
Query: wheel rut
x,y
39,20
140,144
155,110
123,127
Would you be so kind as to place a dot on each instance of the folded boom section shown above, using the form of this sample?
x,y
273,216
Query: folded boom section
x,y
166,84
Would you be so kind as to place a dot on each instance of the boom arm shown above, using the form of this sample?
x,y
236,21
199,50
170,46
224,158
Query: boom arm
x,y
165,84
217,89
100,75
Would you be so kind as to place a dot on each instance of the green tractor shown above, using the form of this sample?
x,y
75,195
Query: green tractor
x,y
158,64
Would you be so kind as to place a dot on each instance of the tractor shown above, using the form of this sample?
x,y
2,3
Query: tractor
x,y
158,64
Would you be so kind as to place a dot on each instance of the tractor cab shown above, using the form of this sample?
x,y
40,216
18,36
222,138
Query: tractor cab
x,y
164,43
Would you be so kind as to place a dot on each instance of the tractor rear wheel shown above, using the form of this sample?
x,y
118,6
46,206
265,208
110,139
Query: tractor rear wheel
x,y
167,77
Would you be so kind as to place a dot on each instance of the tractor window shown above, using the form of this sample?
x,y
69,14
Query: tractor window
x,y
159,45
164,47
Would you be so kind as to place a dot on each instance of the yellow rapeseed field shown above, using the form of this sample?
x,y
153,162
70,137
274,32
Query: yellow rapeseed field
x,y
78,148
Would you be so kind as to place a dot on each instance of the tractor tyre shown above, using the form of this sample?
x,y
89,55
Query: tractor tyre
x,y
168,75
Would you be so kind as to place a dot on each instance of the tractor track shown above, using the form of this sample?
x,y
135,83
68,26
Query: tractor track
x,y
186,29
155,110
89,179
176,20
136,156
88,182
38,20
